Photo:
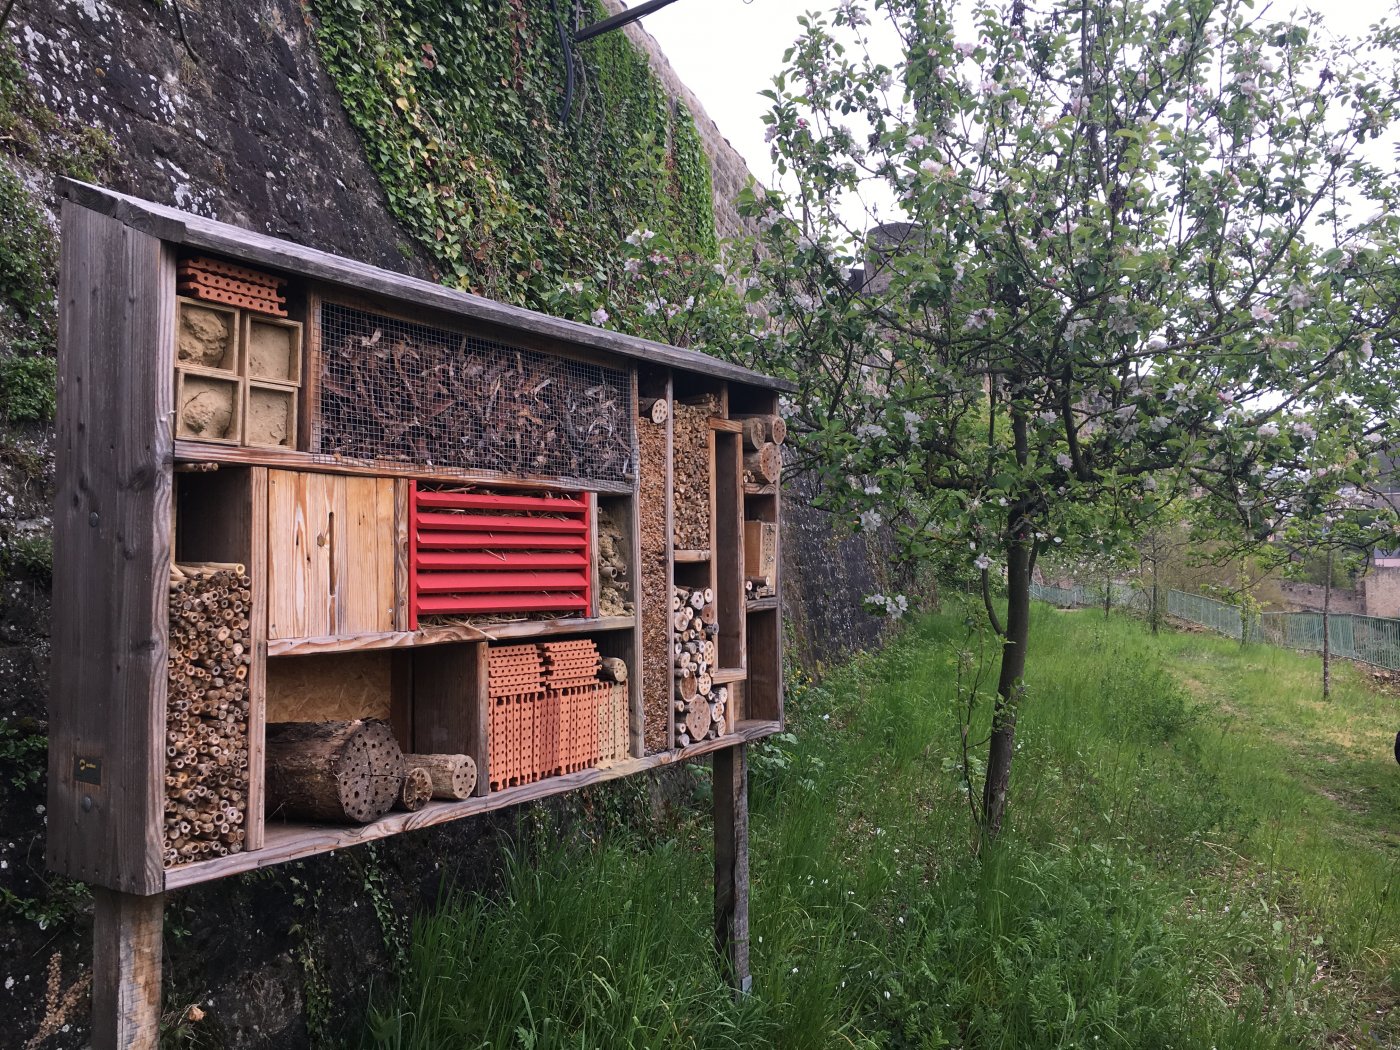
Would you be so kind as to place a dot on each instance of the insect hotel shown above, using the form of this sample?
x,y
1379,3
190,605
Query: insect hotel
x,y
340,554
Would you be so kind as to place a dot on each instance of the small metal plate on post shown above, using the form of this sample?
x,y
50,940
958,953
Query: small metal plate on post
x,y
87,770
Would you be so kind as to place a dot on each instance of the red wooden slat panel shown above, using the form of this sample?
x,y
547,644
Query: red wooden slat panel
x,y
468,603
502,560
498,541
461,582
484,501
441,519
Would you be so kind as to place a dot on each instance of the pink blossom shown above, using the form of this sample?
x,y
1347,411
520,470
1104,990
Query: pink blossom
x,y
600,316
917,141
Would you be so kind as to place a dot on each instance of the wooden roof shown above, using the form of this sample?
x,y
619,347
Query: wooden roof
x,y
234,242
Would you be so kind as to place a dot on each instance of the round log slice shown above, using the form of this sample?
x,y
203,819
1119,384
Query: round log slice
x,y
697,719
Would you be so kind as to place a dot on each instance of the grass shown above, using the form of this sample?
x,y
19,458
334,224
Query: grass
x,y
1199,855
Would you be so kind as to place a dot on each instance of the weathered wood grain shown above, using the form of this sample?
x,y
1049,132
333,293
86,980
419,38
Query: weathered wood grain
x,y
731,799
449,703
285,459
331,555
112,552
258,249
444,635
297,841
127,949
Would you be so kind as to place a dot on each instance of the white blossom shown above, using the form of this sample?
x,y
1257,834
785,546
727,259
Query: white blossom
x,y
600,316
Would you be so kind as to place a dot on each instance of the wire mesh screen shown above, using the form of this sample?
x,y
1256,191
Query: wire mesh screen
x,y
396,391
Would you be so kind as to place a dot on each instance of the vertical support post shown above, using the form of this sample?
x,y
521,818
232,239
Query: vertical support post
x,y
126,970
731,796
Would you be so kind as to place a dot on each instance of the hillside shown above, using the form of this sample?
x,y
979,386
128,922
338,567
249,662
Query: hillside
x,y
1201,855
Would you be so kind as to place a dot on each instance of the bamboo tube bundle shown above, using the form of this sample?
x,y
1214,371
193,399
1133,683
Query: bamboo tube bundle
x,y
206,723
690,466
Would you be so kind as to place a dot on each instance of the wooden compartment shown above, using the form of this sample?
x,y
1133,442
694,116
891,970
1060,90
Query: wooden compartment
x,y
270,416
208,407
729,568
218,525
272,348
474,553
332,546
333,688
207,336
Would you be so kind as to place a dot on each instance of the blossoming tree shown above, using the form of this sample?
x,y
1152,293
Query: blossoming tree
x,y
1137,259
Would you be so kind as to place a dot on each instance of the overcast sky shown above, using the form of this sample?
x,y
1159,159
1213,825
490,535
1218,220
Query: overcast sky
x,y
727,51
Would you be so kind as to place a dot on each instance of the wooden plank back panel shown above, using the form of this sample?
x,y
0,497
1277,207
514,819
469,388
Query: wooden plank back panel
x,y
331,553
112,553
450,704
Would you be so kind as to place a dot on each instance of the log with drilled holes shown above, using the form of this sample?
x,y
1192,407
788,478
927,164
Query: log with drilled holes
x,y
336,771
453,776
416,789
206,722
758,430
764,464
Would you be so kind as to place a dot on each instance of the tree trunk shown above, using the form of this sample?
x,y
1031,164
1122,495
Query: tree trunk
x,y
1156,616
1001,747
1327,631
1107,595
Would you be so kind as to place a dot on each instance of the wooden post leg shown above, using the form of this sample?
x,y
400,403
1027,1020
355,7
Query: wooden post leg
x,y
731,794
126,970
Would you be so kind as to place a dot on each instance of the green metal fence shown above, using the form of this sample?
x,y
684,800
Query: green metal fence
x,y
1208,612
1368,639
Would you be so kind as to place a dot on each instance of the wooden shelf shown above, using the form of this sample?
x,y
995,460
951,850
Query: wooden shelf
x,y
725,675
287,842
441,635
187,451
689,556
761,604
750,489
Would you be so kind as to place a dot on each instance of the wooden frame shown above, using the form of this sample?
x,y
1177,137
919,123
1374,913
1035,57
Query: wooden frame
x,y
119,531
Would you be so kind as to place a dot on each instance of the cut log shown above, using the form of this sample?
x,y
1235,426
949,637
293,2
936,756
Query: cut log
x,y
613,670
697,718
687,686
759,430
765,462
416,789
657,409
453,776
339,771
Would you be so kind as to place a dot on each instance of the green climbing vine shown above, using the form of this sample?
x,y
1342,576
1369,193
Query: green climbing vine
x,y
459,109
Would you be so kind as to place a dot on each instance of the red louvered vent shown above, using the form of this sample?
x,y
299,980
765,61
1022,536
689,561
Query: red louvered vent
x,y
479,553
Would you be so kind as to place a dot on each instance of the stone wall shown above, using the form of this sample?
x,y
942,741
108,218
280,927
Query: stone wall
x,y
1381,589
222,107
1310,597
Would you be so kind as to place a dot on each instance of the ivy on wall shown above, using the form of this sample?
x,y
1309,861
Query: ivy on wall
x,y
459,108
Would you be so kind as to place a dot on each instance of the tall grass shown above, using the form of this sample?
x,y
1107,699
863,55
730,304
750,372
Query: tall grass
x,y
1162,882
